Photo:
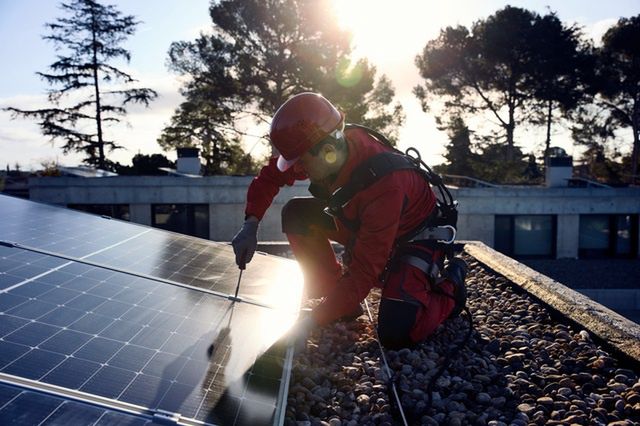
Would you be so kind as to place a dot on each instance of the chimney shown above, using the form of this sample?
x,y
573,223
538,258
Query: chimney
x,y
188,161
559,168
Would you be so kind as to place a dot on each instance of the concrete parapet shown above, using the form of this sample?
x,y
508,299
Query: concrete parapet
x,y
621,333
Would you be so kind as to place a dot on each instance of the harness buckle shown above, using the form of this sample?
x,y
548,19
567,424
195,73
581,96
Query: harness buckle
x,y
330,211
453,235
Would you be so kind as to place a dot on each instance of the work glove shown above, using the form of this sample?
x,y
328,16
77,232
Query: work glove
x,y
456,271
245,242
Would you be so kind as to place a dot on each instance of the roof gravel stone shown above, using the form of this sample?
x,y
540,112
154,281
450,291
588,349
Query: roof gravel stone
x,y
523,365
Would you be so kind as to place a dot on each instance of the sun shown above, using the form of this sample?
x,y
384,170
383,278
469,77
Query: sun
x,y
361,18
386,31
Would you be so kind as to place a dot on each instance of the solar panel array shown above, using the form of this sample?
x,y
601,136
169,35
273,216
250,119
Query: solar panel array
x,y
101,318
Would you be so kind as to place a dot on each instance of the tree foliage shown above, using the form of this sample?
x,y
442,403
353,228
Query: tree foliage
x,y
618,82
259,54
460,158
195,124
144,165
87,40
484,159
562,68
508,67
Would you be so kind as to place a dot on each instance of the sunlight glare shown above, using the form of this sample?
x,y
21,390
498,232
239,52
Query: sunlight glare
x,y
386,31
285,298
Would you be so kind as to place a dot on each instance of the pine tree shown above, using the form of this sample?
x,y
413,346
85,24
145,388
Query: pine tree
x,y
514,67
262,52
94,91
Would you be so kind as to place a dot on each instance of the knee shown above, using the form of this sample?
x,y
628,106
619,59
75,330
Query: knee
x,y
294,219
301,212
396,319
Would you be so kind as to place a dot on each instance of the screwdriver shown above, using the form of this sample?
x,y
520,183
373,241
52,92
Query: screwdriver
x,y
242,265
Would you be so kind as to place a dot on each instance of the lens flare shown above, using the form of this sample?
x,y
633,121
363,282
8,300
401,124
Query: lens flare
x,y
348,73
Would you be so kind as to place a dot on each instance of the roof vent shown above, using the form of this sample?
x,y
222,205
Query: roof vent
x,y
559,167
188,161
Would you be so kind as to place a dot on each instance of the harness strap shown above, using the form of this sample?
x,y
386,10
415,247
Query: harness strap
x,y
365,175
431,269
439,226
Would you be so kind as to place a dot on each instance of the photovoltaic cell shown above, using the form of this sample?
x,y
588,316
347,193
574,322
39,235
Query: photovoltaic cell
x,y
24,407
137,340
179,258
60,230
196,263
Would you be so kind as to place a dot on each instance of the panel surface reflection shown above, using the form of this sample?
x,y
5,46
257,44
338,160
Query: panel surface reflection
x,y
59,230
146,343
205,264
148,251
137,340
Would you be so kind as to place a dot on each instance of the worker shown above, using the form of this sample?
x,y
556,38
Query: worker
x,y
418,290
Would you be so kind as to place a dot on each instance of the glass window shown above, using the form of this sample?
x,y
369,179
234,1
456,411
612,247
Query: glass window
x,y
594,232
116,211
503,234
533,236
608,235
525,235
189,219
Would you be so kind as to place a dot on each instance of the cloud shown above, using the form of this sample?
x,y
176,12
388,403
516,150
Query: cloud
x,y
194,32
22,143
596,30
21,140
26,102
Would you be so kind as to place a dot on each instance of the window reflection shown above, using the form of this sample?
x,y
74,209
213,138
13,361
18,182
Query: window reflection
x,y
525,236
189,219
608,235
116,211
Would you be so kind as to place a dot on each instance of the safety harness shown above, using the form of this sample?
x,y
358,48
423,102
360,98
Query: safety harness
x,y
438,230
439,226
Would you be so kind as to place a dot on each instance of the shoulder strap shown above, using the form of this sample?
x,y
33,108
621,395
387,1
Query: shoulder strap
x,y
367,174
440,225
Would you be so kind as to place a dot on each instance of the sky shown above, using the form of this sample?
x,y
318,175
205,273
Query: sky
x,y
389,33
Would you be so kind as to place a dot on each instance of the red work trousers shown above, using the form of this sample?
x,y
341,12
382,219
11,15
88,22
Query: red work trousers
x,y
410,309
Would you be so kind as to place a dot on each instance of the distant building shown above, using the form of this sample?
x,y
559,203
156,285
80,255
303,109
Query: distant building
x,y
14,183
523,222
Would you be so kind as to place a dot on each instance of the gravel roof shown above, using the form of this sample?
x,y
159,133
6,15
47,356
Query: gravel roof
x,y
521,366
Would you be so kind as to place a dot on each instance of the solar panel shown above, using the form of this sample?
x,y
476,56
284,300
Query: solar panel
x,y
133,316
20,406
146,251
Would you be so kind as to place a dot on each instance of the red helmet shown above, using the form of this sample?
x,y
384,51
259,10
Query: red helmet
x,y
300,123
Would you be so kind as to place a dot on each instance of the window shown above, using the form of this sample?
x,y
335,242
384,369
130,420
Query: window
x,y
190,219
116,211
526,236
608,236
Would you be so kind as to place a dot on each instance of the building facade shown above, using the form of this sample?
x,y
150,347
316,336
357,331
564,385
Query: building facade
x,y
523,222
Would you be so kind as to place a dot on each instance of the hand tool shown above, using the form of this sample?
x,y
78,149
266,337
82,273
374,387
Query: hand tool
x,y
242,266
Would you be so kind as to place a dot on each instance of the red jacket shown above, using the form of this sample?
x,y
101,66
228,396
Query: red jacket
x,y
389,208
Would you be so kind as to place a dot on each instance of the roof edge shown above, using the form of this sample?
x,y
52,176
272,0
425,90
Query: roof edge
x,y
622,334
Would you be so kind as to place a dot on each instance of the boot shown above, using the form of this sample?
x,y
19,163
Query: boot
x,y
456,271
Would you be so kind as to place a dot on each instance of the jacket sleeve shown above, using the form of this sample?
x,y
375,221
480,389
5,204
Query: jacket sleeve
x,y
264,187
379,222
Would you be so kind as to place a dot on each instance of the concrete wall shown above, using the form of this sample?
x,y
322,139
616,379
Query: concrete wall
x,y
226,197
568,226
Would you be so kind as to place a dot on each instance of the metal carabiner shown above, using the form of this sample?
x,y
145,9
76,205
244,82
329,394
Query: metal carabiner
x,y
453,235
